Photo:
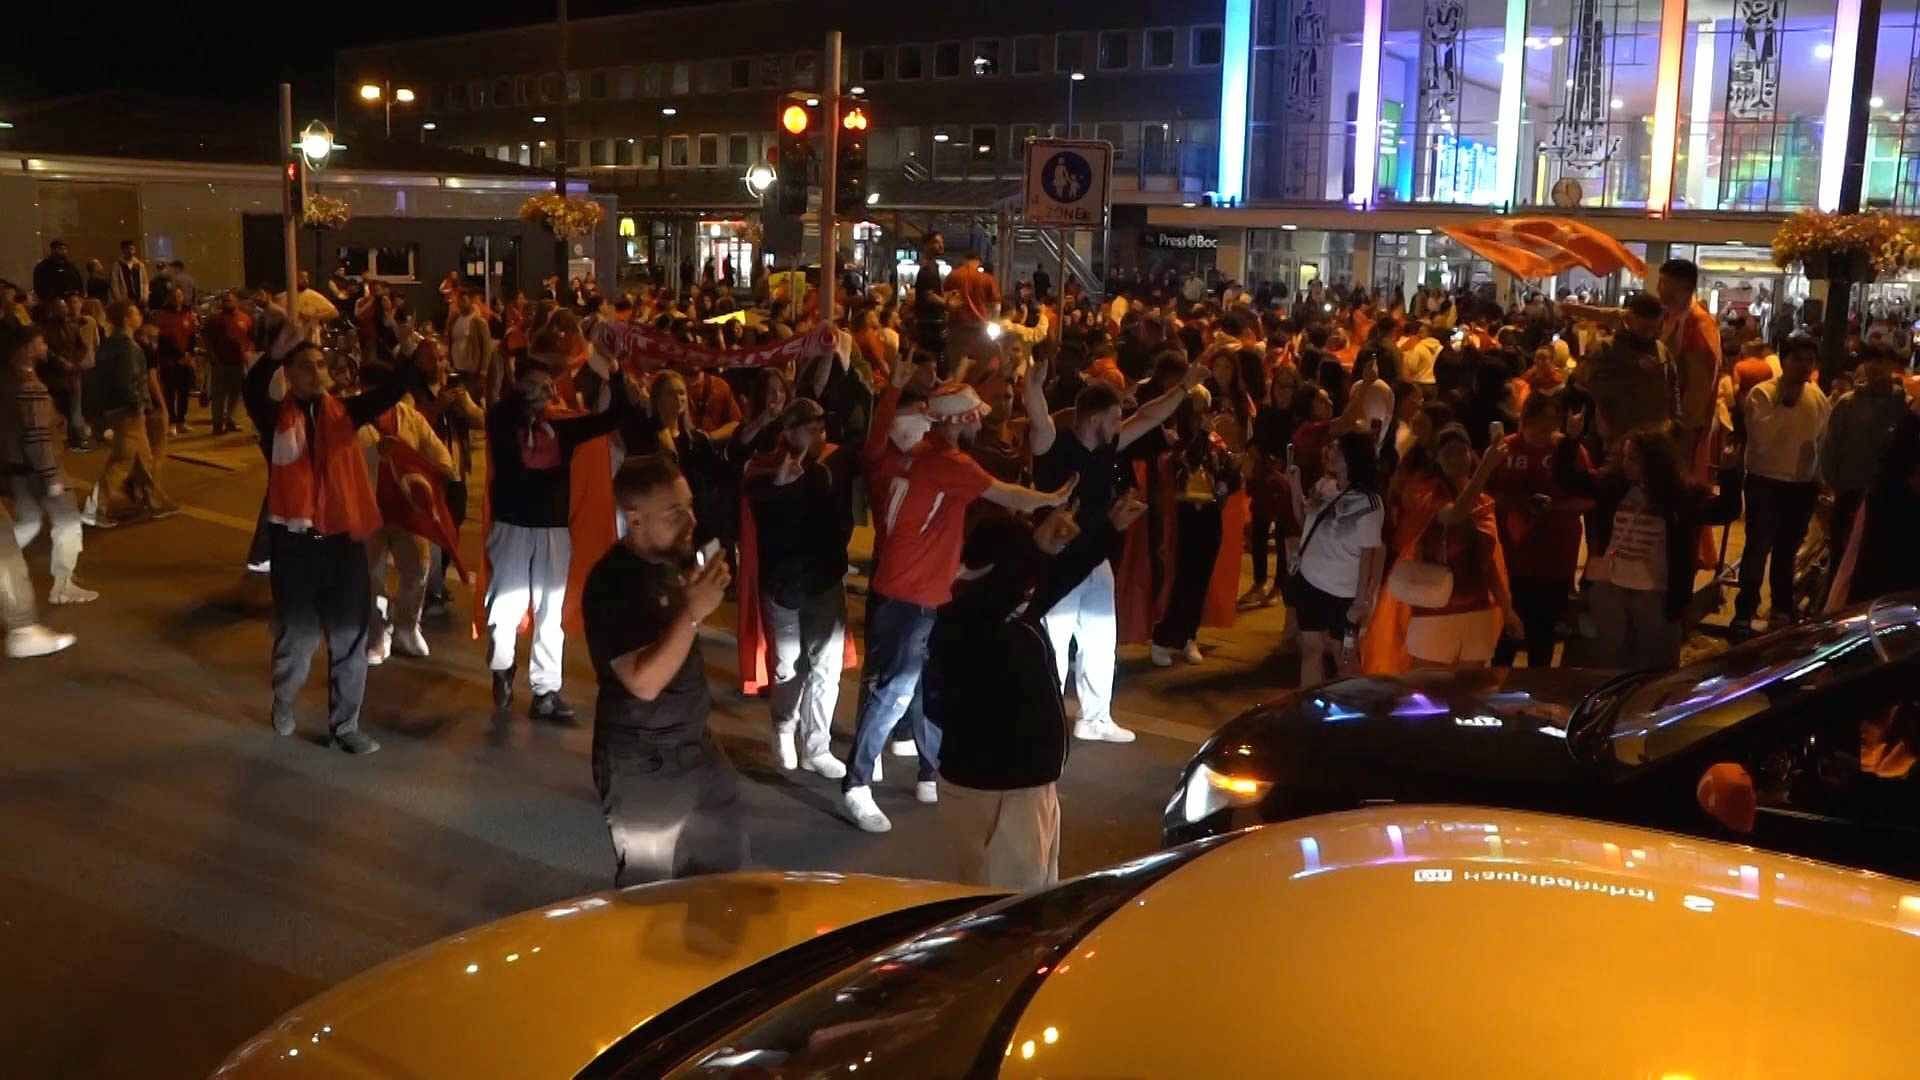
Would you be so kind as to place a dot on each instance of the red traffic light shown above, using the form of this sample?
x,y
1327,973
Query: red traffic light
x,y
795,119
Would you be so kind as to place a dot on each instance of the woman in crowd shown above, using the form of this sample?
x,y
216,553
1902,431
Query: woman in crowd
x,y
176,324
1205,473
1646,516
1448,569
1338,571
1539,525
701,462
1272,508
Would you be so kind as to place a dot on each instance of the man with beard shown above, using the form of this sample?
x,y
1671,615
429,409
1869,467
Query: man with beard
x,y
924,514
670,796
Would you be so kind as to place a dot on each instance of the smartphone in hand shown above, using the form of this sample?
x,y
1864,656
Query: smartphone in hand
x,y
707,553
1495,432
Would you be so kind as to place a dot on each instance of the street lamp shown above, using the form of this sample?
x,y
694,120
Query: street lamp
x,y
316,145
660,159
1075,77
759,178
386,93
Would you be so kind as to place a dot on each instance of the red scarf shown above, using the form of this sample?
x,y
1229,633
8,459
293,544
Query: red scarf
x,y
320,488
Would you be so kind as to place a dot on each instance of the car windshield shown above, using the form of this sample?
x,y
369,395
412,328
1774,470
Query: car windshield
x,y
942,1002
1666,714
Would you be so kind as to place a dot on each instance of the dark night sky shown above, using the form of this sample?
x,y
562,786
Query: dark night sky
x,y
209,49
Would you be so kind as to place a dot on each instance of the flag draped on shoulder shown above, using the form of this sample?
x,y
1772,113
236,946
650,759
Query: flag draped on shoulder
x,y
1538,247
412,497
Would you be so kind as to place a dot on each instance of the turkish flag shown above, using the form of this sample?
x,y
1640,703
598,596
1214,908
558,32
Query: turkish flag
x,y
1537,247
412,496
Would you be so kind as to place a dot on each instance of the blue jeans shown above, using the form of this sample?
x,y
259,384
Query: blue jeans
x,y
896,654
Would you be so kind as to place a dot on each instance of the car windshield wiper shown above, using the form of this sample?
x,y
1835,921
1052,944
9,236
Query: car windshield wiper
x,y
1593,717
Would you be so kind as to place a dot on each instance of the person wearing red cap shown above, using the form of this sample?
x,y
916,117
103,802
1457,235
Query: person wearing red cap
x,y
924,517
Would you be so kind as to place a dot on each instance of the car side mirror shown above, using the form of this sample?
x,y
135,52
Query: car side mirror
x,y
1727,794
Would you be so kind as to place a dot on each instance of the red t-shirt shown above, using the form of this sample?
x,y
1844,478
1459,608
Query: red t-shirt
x,y
1543,548
925,516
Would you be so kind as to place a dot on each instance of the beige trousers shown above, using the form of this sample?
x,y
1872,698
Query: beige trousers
x,y
1005,839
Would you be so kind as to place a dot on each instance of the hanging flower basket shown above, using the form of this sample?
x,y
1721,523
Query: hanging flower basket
x,y
325,212
567,218
1846,247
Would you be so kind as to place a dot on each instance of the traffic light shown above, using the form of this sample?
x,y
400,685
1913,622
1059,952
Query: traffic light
x,y
290,175
796,153
850,166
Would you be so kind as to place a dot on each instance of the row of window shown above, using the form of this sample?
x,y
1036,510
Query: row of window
x,y
1113,51
982,144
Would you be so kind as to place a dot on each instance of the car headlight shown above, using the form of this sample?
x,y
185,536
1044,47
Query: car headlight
x,y
1210,791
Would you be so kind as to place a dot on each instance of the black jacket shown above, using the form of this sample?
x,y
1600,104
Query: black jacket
x,y
802,530
1694,510
55,277
540,498
992,689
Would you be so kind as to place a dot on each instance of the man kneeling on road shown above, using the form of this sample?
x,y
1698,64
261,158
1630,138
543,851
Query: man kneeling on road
x,y
671,798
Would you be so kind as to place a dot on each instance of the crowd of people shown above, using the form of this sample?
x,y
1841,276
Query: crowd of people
x,y
1439,482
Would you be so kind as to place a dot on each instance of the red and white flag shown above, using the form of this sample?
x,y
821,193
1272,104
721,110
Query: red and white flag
x,y
642,348
1538,247
412,496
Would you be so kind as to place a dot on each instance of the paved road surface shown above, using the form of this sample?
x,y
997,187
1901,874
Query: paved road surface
x,y
175,876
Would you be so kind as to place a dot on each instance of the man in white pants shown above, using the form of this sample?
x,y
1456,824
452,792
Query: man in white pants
x,y
1089,450
528,547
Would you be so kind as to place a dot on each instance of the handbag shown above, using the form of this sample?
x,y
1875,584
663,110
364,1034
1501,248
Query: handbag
x,y
1295,580
1418,583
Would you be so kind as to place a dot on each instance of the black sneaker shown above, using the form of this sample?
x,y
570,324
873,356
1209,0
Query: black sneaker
x,y
551,708
354,742
503,689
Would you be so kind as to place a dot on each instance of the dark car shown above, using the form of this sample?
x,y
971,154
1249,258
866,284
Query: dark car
x,y
1803,741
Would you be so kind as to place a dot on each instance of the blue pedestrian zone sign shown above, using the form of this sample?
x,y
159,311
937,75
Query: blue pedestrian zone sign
x,y
1066,182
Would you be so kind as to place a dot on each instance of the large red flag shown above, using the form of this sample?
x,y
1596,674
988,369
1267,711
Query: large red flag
x,y
412,496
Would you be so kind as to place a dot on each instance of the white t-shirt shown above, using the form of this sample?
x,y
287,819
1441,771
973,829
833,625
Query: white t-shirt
x,y
1636,556
1376,401
1330,561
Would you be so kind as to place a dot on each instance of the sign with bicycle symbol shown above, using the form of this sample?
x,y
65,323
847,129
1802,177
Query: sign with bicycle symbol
x,y
1066,182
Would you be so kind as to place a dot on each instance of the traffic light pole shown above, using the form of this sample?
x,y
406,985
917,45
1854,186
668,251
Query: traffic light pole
x,y
290,229
829,176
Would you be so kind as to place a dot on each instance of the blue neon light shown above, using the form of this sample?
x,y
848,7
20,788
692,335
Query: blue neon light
x,y
1236,49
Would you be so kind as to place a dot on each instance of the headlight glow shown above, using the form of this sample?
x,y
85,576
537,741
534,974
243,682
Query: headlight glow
x,y
1209,791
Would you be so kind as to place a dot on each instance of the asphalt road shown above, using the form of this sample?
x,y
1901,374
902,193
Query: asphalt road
x,y
175,876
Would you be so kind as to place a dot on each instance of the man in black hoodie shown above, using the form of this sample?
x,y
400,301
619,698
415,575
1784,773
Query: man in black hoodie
x,y
992,687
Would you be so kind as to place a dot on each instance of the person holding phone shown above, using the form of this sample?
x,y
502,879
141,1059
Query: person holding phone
x,y
1540,523
670,796
1337,573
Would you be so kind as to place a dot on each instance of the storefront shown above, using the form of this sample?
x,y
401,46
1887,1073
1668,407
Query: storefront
x,y
1181,252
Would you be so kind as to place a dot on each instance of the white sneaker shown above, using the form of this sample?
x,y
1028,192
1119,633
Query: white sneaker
x,y
826,765
1161,657
36,640
264,566
783,750
1101,731
66,592
927,791
379,647
864,813
905,748
410,642
1193,652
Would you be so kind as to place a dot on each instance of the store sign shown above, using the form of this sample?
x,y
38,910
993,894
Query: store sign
x,y
1181,241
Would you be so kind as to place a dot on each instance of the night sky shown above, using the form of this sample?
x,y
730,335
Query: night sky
x,y
181,50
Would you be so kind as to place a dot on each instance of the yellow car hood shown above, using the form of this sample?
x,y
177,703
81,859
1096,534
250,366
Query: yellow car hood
x,y
540,994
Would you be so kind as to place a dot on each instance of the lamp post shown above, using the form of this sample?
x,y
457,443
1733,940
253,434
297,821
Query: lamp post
x,y
1074,77
386,94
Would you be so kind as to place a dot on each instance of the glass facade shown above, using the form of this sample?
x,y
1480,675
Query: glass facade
x,y
1639,105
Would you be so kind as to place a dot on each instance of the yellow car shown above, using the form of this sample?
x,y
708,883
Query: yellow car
x,y
1394,941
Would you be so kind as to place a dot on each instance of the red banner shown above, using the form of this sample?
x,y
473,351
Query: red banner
x,y
642,348
412,496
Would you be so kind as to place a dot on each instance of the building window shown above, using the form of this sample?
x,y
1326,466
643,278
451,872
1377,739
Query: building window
x,y
1115,134
738,152
576,152
457,96
602,151
773,71
986,143
650,151
550,87
574,86
1017,137
1157,49
740,74
502,93
986,57
1026,55
503,153
623,151
624,83
682,79
709,151
650,81
806,71
526,154
597,85
1206,47
677,152
873,65
478,90
912,63
1113,50
395,263
1069,53
946,60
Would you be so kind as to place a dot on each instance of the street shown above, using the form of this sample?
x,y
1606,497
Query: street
x,y
177,876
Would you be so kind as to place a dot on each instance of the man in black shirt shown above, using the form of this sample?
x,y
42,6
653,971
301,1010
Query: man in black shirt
x,y
670,796
802,525
529,458
929,302
1089,449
